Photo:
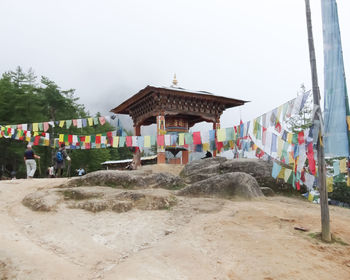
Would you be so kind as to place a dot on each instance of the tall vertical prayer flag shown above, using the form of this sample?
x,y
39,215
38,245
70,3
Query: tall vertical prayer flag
x,y
336,104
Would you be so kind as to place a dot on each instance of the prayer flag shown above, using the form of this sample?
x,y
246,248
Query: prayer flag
x,y
46,126
147,141
115,141
197,138
35,127
336,104
181,139
188,139
61,124
287,174
336,168
342,165
68,123
90,121
61,138
79,123
134,141
221,134
128,141
95,120
329,184
121,141
102,120
276,168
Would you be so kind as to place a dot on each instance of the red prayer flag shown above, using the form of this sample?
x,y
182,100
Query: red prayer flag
x,y
129,141
98,139
196,138
70,138
301,137
278,127
219,145
36,140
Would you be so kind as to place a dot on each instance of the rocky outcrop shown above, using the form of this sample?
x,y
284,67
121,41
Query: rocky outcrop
x,y
206,168
127,180
96,199
42,201
225,185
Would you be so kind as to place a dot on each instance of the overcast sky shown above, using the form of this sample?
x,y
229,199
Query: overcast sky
x,y
108,50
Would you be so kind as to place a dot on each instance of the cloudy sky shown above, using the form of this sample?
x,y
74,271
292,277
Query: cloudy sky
x,y
108,50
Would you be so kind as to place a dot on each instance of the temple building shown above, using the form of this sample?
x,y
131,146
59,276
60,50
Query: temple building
x,y
174,110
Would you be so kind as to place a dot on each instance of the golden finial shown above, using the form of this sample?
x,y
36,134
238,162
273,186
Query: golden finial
x,y
174,81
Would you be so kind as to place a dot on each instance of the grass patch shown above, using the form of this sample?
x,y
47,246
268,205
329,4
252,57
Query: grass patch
x,y
335,240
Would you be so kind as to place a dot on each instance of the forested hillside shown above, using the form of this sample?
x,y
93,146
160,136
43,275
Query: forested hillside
x,y
25,98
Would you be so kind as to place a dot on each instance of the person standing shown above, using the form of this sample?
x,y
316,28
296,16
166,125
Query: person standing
x,y
61,156
29,159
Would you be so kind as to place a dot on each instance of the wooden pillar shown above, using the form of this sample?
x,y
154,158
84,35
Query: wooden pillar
x,y
137,152
160,131
185,157
216,125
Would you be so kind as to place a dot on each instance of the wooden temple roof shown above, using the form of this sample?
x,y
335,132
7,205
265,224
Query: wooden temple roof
x,y
145,105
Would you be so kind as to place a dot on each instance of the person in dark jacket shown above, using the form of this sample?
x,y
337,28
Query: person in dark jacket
x,y
29,159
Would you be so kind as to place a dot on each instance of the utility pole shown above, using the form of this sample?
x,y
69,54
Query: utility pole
x,y
318,119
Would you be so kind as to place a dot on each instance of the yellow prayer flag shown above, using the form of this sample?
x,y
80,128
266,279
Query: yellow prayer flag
x,y
46,142
348,121
61,124
311,197
115,141
254,147
279,147
90,121
279,111
221,134
205,146
35,127
291,159
281,174
348,181
181,139
147,141
232,144
36,133
289,138
61,138
329,184
342,165
87,139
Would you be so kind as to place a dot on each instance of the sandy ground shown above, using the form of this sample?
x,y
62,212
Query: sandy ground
x,y
200,238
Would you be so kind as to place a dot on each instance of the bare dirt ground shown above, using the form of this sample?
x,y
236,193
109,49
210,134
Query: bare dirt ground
x,y
199,238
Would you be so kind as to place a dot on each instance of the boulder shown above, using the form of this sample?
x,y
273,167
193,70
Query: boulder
x,y
225,185
267,191
127,180
256,167
211,165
